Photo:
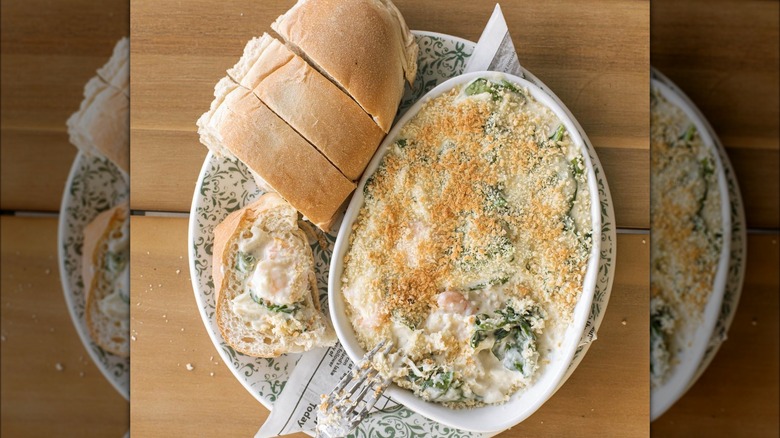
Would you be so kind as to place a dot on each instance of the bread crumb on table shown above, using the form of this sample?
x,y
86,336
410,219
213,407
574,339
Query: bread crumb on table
x,y
189,367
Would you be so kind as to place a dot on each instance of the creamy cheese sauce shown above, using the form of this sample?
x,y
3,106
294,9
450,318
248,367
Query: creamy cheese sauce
x,y
116,275
471,247
270,282
686,241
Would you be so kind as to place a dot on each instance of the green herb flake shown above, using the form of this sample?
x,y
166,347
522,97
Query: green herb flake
x,y
558,134
245,262
281,308
479,86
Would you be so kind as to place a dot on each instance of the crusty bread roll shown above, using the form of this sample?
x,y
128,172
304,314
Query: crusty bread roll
x,y
266,291
239,125
116,72
101,126
310,103
104,271
364,46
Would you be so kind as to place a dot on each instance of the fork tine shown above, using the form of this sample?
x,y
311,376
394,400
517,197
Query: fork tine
x,y
357,392
361,394
373,351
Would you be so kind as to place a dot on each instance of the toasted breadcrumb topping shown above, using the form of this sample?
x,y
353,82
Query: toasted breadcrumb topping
x,y
483,195
687,232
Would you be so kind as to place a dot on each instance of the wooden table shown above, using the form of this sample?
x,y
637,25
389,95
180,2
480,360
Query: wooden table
x,y
49,51
596,60
50,386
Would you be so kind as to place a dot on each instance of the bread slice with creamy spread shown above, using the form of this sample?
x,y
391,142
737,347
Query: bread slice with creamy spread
x,y
106,276
266,291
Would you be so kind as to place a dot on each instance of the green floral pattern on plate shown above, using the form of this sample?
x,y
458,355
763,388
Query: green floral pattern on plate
x,y
94,185
225,186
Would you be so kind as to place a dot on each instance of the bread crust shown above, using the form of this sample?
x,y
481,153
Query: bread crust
x,y
242,125
116,72
364,46
316,108
101,125
95,234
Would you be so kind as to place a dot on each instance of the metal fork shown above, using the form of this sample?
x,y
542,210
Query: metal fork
x,y
352,399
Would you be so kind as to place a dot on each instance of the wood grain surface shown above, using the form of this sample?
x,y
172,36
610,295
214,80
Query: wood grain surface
x,y
50,50
594,58
37,335
739,393
604,397
725,55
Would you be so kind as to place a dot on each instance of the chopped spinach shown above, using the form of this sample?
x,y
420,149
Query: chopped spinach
x,y
577,166
115,261
706,167
659,339
398,316
558,134
483,85
245,262
687,136
281,308
480,86
438,384
514,340
492,282
511,87
494,198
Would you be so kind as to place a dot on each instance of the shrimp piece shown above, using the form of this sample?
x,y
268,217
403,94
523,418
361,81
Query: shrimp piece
x,y
454,302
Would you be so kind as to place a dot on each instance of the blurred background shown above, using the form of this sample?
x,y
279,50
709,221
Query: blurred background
x,y
724,55
50,384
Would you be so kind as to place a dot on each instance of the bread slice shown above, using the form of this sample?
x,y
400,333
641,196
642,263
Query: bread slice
x,y
266,291
239,125
316,108
105,272
364,46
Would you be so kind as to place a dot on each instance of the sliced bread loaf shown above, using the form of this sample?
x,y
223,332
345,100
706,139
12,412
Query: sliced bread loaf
x,y
239,125
310,103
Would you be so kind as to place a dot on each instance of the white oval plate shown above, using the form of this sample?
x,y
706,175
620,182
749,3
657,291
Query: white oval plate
x,y
93,186
521,405
686,369
224,186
